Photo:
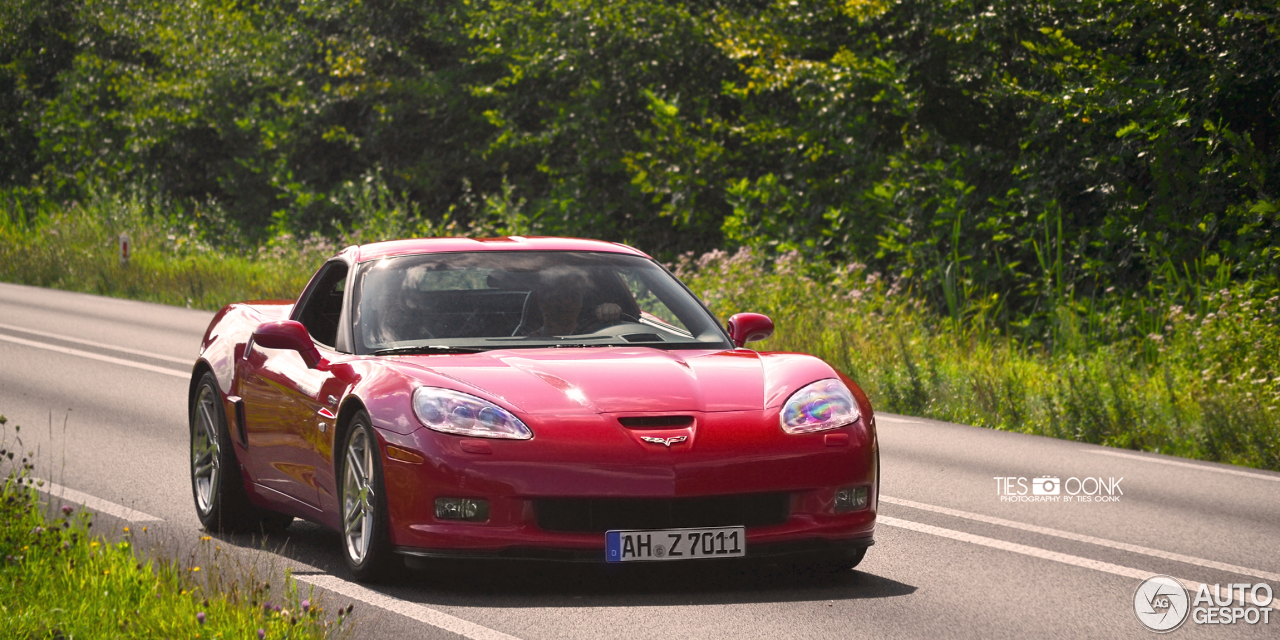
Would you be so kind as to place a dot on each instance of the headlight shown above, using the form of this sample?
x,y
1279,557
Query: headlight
x,y
825,404
466,415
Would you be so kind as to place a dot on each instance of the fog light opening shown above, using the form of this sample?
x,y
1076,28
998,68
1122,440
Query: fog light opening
x,y
465,509
851,499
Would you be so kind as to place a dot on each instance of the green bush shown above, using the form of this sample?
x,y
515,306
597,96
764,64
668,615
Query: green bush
x,y
1023,148
1204,385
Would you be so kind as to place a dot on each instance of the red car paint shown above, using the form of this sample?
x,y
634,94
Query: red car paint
x,y
572,400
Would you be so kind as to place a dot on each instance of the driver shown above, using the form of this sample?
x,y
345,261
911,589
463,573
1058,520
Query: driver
x,y
560,300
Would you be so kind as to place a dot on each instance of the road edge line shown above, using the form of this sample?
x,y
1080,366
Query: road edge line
x,y
57,336
412,610
1079,537
55,490
1187,465
1034,552
96,356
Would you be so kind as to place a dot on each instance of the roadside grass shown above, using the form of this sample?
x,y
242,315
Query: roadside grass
x,y
1198,378
74,247
60,580
188,257
1203,385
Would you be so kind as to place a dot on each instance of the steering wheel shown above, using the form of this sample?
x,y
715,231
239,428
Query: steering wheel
x,y
603,323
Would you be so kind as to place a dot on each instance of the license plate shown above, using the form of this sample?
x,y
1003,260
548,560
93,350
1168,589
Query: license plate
x,y
675,544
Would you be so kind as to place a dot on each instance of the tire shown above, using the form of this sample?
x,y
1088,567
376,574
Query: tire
x,y
366,545
217,486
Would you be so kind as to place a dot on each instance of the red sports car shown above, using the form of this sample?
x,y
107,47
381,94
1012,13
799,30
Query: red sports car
x,y
515,397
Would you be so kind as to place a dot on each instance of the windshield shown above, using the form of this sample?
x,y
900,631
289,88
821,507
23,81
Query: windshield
x,y
514,299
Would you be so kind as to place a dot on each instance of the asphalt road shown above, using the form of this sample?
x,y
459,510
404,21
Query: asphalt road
x,y
100,386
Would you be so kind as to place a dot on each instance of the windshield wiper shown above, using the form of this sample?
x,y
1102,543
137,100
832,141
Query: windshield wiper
x,y
562,345
426,348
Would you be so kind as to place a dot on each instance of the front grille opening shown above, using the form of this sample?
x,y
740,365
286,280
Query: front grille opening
x,y
655,422
596,515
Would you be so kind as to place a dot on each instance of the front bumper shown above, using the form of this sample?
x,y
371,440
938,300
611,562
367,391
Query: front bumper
x,y
592,457
768,551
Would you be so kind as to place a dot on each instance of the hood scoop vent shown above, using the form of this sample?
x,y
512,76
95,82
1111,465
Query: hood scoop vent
x,y
656,422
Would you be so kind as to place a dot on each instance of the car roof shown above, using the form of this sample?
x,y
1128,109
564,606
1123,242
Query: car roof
x,y
392,248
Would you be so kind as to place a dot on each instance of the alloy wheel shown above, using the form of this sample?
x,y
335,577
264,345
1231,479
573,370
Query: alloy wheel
x,y
205,450
358,495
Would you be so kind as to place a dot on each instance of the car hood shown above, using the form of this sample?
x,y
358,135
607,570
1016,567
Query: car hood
x,y
605,379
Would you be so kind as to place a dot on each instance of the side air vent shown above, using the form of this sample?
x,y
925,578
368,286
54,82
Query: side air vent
x,y
656,422
239,416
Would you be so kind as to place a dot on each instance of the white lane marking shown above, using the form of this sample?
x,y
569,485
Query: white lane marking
x,y
1102,542
1034,552
95,503
1188,465
95,356
1130,456
92,343
412,610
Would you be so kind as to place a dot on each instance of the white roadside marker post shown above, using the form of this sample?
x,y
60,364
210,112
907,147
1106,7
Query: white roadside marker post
x,y
124,249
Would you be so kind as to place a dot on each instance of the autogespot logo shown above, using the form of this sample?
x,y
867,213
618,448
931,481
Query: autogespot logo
x,y
1161,603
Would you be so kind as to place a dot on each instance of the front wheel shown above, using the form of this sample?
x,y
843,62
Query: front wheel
x,y
222,504
365,541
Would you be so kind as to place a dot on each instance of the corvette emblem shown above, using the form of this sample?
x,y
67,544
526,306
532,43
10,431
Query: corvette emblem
x,y
667,442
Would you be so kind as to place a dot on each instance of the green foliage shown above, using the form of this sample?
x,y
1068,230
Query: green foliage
x,y
60,580
195,257
1031,150
1202,384
173,260
1049,177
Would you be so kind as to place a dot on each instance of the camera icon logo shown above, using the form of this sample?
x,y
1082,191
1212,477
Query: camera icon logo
x,y
1046,486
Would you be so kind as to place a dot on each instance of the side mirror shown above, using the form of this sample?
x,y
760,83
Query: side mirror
x,y
749,327
288,334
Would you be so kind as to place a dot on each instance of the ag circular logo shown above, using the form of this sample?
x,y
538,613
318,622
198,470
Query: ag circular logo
x,y
1161,603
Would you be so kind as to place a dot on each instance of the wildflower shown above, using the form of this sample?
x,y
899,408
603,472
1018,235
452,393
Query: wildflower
x,y
126,529
195,568
200,617
66,510
205,538
306,606
262,633
267,606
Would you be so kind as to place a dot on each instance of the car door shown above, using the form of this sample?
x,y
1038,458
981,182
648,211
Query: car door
x,y
289,407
